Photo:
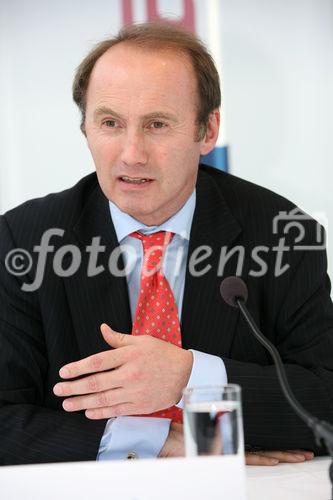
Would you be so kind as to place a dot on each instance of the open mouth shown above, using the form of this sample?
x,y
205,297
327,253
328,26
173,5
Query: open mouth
x,y
135,180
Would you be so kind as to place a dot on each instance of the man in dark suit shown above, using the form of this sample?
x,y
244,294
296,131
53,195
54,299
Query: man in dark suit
x,y
150,107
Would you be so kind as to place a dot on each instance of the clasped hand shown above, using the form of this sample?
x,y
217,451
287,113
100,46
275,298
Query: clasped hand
x,y
140,375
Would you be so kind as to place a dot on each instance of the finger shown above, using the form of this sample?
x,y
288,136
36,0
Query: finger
x,y
255,459
283,456
99,362
89,385
100,400
116,339
308,455
115,411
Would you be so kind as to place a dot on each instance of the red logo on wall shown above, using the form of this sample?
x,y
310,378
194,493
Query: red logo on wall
x,y
187,20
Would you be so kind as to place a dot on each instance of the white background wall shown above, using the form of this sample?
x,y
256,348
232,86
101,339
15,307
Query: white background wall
x,y
278,86
277,62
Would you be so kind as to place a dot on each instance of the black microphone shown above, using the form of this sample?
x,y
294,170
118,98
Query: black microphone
x,y
234,292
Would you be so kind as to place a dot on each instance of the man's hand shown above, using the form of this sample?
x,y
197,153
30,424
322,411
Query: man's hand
x,y
141,375
276,457
174,445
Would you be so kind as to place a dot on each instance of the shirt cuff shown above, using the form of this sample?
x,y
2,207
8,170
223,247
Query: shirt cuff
x,y
128,437
207,369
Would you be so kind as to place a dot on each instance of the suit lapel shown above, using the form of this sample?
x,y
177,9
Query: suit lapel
x,y
208,324
103,297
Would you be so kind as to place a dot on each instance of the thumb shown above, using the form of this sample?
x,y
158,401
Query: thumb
x,y
113,338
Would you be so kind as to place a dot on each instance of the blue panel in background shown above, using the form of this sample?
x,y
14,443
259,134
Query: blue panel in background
x,y
218,158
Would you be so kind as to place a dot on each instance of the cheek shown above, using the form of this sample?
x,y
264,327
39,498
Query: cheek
x,y
162,155
103,153
171,156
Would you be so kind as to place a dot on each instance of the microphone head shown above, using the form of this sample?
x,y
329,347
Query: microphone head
x,y
233,288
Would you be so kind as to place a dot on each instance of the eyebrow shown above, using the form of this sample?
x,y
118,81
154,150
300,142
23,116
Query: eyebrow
x,y
104,110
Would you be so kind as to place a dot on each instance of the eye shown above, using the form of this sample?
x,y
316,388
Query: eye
x,y
157,125
110,123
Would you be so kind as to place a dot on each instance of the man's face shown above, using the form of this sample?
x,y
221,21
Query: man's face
x,y
141,130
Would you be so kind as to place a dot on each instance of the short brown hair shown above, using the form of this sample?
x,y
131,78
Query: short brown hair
x,y
158,36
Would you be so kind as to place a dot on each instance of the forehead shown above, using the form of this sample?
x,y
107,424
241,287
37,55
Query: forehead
x,y
140,74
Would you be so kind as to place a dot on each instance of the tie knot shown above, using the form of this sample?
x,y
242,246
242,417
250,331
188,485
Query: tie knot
x,y
160,238
154,246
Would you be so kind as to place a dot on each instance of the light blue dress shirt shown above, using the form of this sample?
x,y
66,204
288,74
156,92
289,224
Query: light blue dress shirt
x,y
145,436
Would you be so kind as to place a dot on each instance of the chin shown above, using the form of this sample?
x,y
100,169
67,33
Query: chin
x,y
135,211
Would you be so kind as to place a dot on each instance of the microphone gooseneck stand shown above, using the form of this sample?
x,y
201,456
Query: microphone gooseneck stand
x,y
322,430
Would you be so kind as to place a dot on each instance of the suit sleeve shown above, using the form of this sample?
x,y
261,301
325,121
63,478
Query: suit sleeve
x,y
30,430
303,333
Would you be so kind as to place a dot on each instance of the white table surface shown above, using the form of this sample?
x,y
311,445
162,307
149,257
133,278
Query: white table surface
x,y
163,479
304,481
210,478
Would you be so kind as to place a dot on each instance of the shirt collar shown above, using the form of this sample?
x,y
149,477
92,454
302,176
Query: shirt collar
x,y
180,223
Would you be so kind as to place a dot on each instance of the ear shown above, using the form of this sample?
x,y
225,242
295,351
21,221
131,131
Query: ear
x,y
212,132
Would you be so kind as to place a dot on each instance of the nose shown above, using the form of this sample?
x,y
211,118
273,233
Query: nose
x,y
134,150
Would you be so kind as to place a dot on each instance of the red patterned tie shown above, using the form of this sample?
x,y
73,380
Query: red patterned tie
x,y
156,311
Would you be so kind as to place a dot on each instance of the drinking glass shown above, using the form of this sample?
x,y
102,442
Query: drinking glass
x,y
213,421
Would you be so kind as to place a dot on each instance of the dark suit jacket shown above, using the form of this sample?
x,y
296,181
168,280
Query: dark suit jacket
x,y
43,330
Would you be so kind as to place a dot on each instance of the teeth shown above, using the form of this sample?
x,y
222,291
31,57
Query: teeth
x,y
135,180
